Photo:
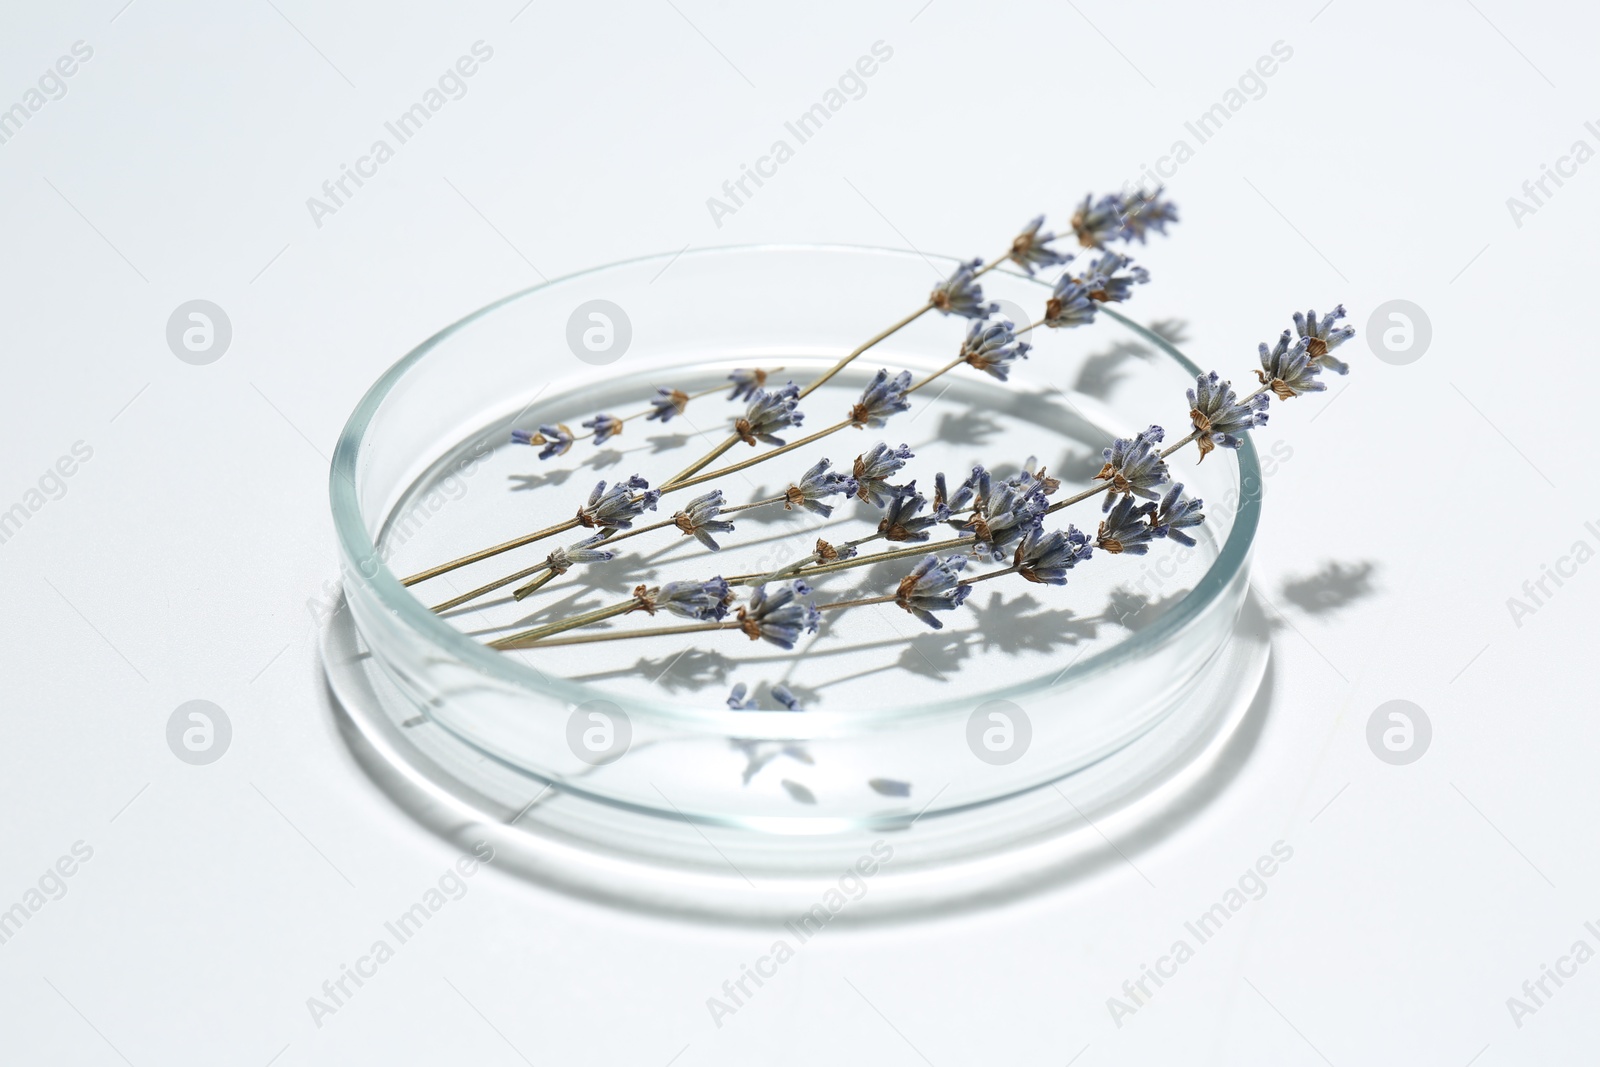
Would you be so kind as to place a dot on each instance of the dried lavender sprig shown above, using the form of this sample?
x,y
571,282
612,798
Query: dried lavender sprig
x,y
695,600
608,538
552,566
928,305
562,439
674,482
929,587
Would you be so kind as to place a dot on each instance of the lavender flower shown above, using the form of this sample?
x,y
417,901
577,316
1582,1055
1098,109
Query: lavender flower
x,y
1289,369
1219,417
1105,282
1321,338
1047,557
830,554
705,601
746,382
960,294
563,559
768,412
1147,211
1032,478
873,470
604,426
992,347
779,692
900,521
946,503
781,617
934,585
1127,528
555,438
667,403
816,483
884,397
1177,513
1002,513
1098,221
1030,249
699,519
1070,304
617,507
1134,466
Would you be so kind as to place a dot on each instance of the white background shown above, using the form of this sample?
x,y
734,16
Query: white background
x,y
181,559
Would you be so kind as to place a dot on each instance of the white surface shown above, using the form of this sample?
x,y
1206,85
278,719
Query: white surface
x,y
179,562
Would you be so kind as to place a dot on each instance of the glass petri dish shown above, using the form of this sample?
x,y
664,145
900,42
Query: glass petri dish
x,y
962,745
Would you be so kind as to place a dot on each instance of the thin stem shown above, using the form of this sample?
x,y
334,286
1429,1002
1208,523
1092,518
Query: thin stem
x,y
456,602
566,624
875,339
474,557
588,639
753,460
952,365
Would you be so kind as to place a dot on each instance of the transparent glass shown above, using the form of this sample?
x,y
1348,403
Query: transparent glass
x,y
424,472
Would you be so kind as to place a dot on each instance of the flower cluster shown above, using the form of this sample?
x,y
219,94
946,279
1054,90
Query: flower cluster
x,y
746,382
564,559
874,468
699,519
992,347
1322,337
814,485
780,616
1289,369
885,396
1031,249
960,294
603,427
933,585
705,601
1047,557
1002,512
769,412
1100,220
902,520
617,507
555,438
779,692
1219,416
1133,466
667,403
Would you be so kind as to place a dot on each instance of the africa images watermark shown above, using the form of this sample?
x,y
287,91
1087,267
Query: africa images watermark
x,y
52,485
1538,190
52,85
1251,886
452,85
1536,592
1536,992
850,887
1251,85
806,126
52,885
450,885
